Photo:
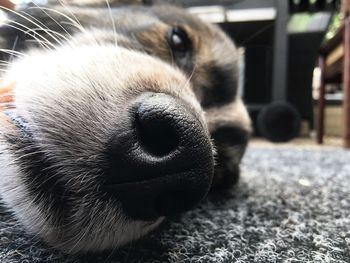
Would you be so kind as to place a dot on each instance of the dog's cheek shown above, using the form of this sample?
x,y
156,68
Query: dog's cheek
x,y
17,195
30,185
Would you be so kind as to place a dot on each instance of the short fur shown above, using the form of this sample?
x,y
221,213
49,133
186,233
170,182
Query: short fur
x,y
71,94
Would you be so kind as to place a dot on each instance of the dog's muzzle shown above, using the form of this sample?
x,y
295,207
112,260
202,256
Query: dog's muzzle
x,y
162,163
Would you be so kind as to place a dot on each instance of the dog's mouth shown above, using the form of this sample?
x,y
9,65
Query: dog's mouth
x,y
160,165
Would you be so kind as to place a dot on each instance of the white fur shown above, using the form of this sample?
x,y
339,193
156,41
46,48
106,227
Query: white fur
x,y
54,96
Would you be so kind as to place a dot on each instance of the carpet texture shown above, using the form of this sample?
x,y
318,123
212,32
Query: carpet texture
x,y
290,206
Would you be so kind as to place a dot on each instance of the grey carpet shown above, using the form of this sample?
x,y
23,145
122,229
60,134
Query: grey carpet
x,y
290,206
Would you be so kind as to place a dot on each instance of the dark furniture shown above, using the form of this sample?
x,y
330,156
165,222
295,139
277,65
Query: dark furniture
x,y
335,68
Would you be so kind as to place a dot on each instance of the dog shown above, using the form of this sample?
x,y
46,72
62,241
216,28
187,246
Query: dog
x,y
120,117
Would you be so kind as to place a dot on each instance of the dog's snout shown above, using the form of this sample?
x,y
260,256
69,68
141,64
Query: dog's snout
x,y
162,163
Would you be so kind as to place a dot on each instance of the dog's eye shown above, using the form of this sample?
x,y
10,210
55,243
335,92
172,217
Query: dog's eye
x,y
179,41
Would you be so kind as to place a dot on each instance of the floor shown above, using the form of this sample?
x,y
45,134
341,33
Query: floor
x,y
302,142
291,205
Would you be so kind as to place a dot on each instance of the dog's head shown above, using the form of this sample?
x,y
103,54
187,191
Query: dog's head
x,y
115,121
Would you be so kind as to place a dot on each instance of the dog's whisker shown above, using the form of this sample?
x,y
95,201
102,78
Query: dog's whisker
x,y
85,231
35,31
171,54
189,79
55,33
70,22
113,22
47,29
76,241
45,43
259,32
74,20
24,16
12,52
44,10
13,48
5,62
110,254
3,69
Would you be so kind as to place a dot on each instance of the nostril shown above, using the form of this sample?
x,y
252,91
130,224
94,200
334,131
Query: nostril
x,y
155,131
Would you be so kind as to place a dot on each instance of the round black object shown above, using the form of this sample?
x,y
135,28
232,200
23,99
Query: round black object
x,y
279,122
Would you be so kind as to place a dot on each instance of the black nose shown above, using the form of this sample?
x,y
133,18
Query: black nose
x,y
161,162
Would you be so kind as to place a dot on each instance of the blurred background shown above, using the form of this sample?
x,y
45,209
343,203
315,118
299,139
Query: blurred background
x,y
288,92
293,62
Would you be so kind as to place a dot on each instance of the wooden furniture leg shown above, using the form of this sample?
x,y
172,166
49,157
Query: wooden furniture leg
x,y
346,83
321,102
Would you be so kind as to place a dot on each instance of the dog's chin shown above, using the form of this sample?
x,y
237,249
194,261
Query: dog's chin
x,y
108,239
99,226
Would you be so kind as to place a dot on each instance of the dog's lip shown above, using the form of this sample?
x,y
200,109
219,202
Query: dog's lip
x,y
112,181
153,223
115,186
142,198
